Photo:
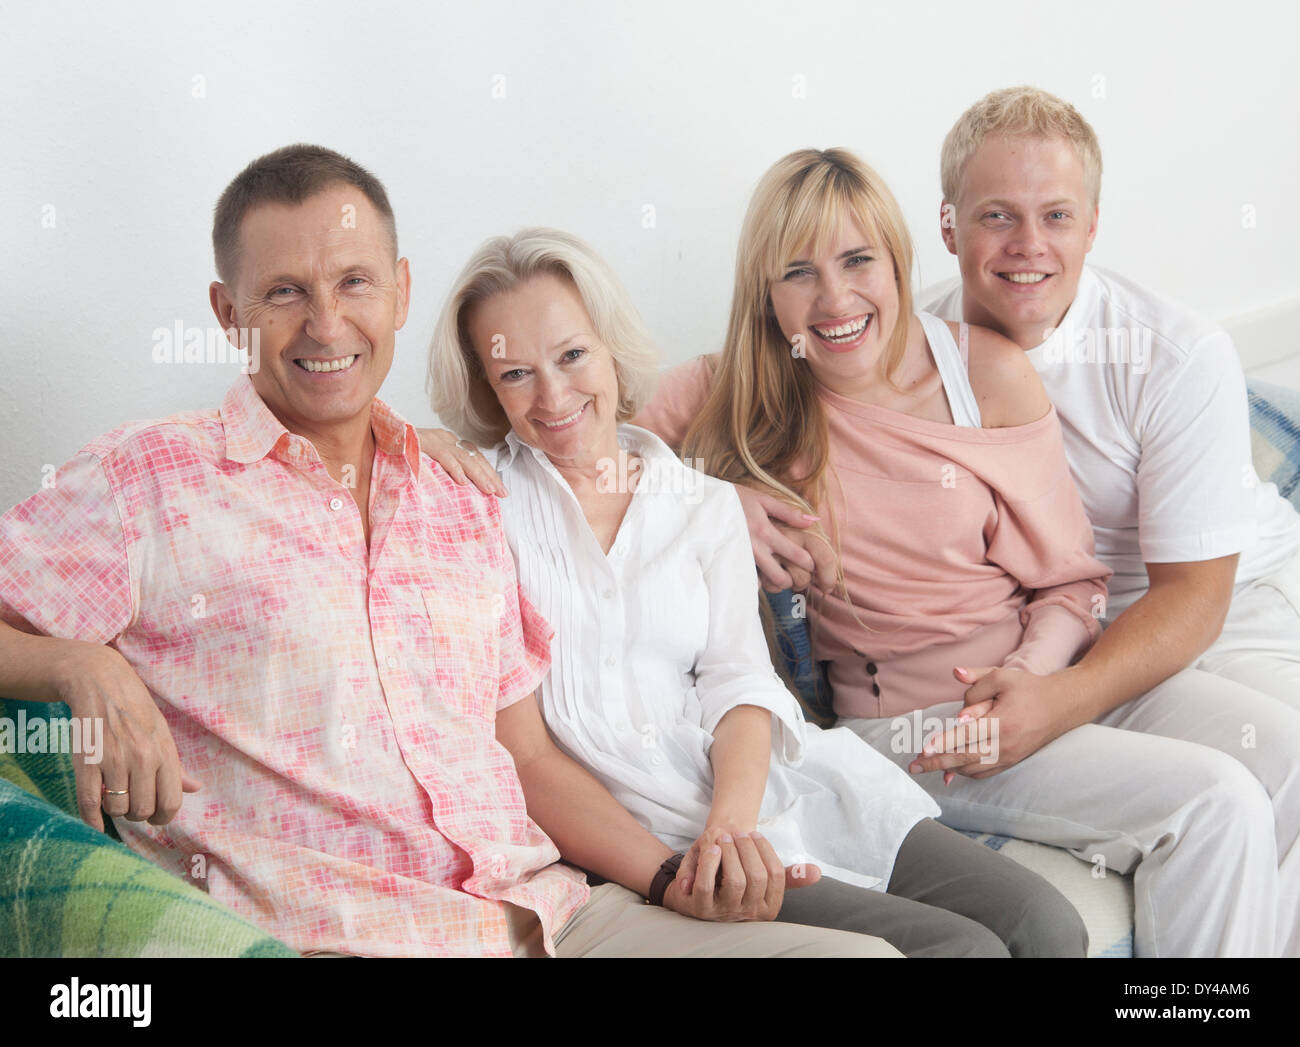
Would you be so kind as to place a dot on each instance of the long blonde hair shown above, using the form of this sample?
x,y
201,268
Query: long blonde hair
x,y
763,424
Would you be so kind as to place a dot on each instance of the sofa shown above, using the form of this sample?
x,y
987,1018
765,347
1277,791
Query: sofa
x,y
69,890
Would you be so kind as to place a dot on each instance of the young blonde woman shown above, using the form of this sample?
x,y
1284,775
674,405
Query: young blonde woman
x,y
660,685
925,454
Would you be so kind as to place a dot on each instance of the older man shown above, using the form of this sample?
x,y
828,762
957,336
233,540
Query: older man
x,y
285,599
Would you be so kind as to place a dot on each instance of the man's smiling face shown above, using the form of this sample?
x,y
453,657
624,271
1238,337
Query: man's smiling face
x,y
1023,224
320,283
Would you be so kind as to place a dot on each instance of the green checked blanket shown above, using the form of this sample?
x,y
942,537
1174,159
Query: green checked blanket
x,y
68,890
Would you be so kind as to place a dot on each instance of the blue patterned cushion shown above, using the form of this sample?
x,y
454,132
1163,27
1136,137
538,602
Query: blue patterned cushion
x,y
1275,436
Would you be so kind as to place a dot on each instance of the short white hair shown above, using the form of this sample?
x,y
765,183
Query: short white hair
x,y
457,385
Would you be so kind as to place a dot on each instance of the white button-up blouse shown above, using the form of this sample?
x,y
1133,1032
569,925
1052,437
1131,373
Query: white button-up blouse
x,y
658,640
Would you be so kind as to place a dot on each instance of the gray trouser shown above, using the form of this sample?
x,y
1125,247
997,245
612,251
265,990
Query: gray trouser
x,y
949,896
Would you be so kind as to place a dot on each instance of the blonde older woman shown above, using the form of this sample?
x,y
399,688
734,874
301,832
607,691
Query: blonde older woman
x,y
660,683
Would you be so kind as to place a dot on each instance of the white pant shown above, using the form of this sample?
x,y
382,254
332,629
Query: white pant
x,y
1260,643
1193,787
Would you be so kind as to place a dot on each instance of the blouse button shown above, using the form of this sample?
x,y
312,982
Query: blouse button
x,y
392,662
336,504
875,690
871,668
608,594
610,661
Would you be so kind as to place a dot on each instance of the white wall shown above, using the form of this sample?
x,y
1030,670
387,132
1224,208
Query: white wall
x,y
608,107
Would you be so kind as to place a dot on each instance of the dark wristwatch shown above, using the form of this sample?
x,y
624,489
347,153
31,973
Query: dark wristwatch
x,y
667,874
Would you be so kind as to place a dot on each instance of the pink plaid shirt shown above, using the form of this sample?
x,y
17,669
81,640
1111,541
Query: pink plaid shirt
x,y
337,702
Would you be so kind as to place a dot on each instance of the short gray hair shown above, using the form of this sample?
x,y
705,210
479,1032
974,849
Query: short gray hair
x,y
457,385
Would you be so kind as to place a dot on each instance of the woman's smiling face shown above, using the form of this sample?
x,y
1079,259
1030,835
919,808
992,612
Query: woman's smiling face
x,y
840,306
552,375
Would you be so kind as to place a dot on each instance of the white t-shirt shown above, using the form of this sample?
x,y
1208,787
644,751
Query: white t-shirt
x,y
656,641
1152,402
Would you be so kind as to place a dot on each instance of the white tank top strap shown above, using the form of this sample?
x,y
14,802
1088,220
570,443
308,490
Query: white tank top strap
x,y
953,361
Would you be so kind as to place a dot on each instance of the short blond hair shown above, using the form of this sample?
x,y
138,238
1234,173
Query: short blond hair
x,y
457,385
1018,112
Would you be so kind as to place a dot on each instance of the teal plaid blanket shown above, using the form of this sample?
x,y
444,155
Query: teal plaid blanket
x,y
68,890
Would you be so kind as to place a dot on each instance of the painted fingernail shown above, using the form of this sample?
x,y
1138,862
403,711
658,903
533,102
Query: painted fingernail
x,y
963,717
810,518
725,838
756,835
948,777
915,767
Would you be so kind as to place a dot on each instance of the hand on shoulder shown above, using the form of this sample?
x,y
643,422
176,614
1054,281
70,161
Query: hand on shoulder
x,y
1006,386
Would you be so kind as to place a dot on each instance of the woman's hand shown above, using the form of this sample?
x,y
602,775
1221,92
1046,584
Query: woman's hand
x,y
734,877
461,460
786,554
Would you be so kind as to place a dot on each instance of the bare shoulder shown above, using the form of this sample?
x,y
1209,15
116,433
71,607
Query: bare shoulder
x,y
1006,386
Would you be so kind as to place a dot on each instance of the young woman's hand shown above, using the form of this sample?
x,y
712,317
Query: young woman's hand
x,y
786,555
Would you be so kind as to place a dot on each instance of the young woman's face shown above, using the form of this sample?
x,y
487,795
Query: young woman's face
x,y
838,309
552,375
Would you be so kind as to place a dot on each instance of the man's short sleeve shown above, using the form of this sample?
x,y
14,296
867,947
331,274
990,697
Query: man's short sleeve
x,y
1195,492
64,567
525,640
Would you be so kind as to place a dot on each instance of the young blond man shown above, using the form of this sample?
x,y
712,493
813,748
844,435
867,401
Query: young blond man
x,y
1202,643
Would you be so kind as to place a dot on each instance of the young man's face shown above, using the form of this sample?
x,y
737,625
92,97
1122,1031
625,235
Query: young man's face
x,y
1020,230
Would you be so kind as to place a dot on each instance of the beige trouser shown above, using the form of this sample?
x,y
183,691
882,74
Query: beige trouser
x,y
618,922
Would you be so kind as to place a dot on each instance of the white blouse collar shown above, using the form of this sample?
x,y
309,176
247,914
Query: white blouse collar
x,y
631,438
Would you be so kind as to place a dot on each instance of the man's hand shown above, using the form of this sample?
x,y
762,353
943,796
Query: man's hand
x,y
1025,711
734,877
461,460
786,555
139,775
